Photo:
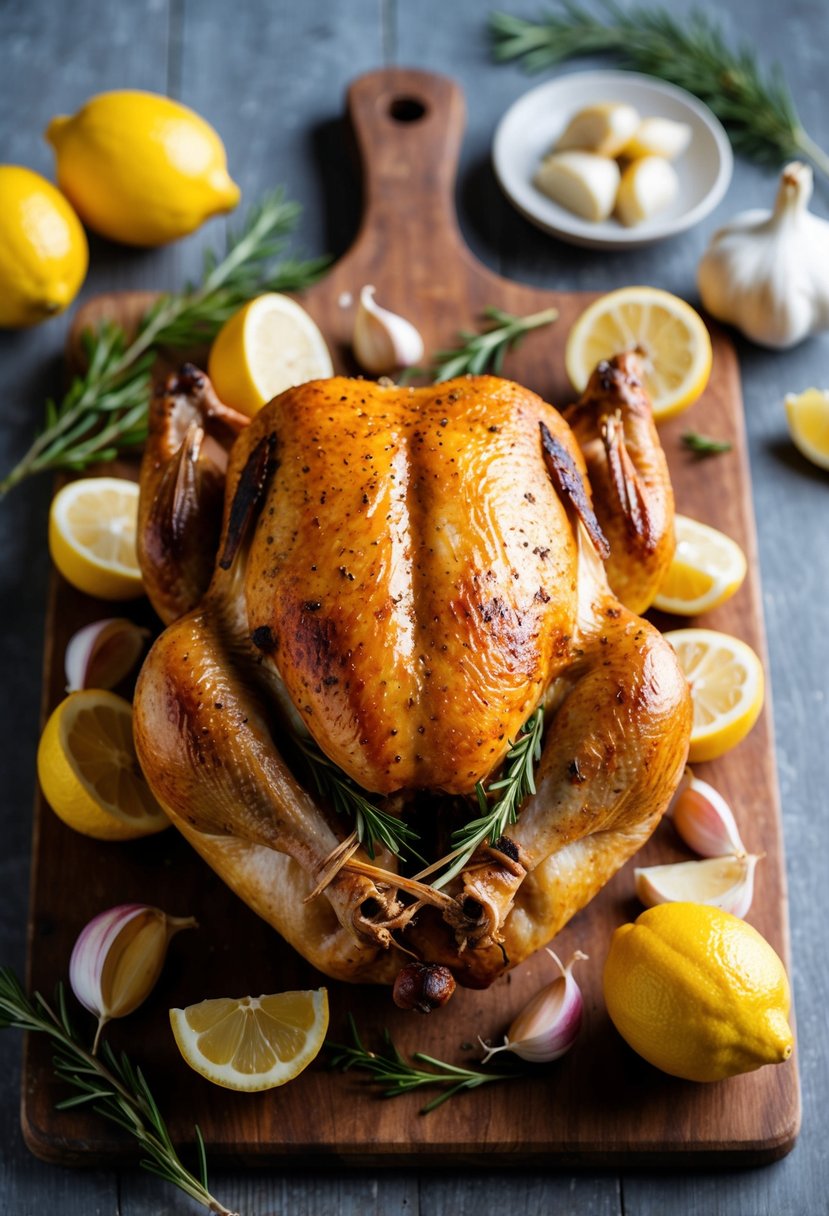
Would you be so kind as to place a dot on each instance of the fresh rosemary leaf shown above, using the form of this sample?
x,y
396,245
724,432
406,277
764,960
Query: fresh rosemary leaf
x,y
104,411
482,352
703,445
389,1068
118,1088
517,784
371,825
688,50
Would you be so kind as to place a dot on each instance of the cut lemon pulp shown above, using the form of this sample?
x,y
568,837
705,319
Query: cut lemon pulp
x,y
708,567
808,415
252,1043
89,771
92,526
726,679
664,330
269,345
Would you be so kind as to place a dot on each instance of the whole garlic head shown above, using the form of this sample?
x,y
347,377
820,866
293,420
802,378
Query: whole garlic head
x,y
767,273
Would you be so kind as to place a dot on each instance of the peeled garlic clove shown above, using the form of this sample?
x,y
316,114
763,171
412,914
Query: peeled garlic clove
x,y
705,821
648,186
722,882
658,137
383,341
583,182
549,1024
604,128
101,654
118,958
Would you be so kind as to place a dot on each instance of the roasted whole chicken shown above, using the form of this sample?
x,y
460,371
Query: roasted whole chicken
x,y
392,580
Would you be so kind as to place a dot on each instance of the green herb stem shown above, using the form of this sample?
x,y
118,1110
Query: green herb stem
x,y
485,351
116,1089
704,445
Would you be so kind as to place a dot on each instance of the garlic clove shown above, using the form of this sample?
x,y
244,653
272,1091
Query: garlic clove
x,y
583,182
549,1024
117,959
101,654
604,128
705,821
648,186
383,342
722,882
658,137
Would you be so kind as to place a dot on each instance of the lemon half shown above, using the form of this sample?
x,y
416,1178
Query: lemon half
x,y
727,689
669,335
252,1042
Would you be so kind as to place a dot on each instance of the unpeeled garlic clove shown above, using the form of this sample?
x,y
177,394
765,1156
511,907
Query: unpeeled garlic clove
x,y
705,821
383,341
722,882
549,1024
118,958
101,654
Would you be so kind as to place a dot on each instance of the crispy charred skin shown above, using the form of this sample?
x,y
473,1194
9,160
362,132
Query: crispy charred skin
x,y
632,495
406,575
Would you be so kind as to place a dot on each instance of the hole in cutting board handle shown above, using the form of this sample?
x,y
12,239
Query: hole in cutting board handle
x,y
407,109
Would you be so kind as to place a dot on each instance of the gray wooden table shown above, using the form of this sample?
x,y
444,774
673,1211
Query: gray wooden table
x,y
271,77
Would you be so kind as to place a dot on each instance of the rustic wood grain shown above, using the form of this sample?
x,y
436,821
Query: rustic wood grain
x,y
601,1104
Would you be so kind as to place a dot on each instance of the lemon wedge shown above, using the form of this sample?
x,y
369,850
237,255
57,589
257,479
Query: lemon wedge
x,y
721,882
808,416
669,335
707,568
253,1042
89,772
92,526
727,686
267,346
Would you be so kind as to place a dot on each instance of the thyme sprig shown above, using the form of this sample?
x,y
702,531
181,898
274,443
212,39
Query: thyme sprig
x,y
704,445
371,824
517,783
483,351
400,1077
690,50
104,411
115,1087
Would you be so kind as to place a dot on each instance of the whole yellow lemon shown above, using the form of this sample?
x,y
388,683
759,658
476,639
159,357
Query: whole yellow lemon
x,y
43,249
698,992
140,168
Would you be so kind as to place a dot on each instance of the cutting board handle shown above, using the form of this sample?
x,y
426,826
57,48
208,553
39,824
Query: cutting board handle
x,y
408,126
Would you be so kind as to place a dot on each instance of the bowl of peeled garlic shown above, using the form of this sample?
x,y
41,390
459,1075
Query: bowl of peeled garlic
x,y
611,160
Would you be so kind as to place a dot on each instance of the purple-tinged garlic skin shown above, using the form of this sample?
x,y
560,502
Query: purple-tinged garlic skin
x,y
705,821
100,654
383,341
549,1024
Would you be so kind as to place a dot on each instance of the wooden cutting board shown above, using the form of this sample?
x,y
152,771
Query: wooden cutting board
x,y
601,1104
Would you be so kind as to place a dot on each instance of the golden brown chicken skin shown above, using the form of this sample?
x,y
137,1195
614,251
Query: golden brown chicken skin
x,y
404,576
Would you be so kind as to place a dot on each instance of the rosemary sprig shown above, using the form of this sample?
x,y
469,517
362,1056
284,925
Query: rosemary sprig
x,y
370,823
400,1077
704,445
689,50
482,352
117,1088
104,410
517,784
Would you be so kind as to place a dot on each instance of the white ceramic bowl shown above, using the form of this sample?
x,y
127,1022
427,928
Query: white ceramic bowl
x,y
534,122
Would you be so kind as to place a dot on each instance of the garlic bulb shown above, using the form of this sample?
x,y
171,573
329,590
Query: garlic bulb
x,y
548,1026
383,341
722,882
118,958
705,821
101,654
767,273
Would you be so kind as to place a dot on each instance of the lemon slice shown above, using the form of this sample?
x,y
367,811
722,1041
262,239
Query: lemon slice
x,y
808,415
89,771
669,335
708,567
253,1042
726,679
92,526
269,345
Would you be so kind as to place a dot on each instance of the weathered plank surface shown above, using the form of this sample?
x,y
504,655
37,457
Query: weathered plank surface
x,y
57,61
